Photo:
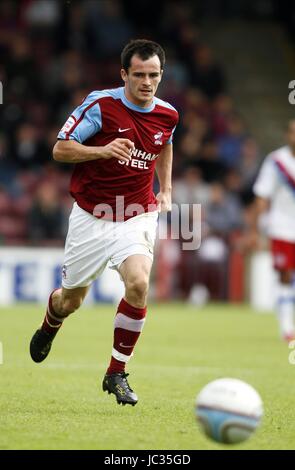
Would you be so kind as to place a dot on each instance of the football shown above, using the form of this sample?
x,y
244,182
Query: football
x,y
228,410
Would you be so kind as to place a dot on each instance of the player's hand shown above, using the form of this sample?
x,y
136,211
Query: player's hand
x,y
118,148
164,201
249,242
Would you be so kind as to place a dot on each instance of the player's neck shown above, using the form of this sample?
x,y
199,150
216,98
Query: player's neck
x,y
141,104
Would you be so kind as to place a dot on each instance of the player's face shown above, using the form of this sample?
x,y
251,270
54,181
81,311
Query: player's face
x,y
291,135
142,79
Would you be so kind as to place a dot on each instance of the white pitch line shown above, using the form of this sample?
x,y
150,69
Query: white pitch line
x,y
155,368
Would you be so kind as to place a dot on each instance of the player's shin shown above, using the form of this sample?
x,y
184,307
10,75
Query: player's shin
x,y
52,321
285,311
129,322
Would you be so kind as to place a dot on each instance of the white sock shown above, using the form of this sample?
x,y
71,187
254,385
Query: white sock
x,y
285,309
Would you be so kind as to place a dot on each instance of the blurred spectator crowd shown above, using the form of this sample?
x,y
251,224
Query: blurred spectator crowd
x,y
54,53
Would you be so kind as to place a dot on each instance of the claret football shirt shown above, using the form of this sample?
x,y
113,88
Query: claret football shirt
x,y
102,117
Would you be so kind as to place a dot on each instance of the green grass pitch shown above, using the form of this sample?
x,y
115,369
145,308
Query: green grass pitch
x,y
59,404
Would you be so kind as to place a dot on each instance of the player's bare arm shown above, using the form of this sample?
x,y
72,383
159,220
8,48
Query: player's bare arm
x,y
261,205
164,172
71,151
253,238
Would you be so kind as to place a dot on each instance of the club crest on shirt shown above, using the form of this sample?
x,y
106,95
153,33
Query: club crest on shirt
x,y
64,271
68,124
158,138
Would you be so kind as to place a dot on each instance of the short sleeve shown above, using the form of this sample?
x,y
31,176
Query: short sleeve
x,y
170,140
84,122
266,182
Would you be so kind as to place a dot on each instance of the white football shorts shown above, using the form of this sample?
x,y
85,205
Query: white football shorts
x,y
92,243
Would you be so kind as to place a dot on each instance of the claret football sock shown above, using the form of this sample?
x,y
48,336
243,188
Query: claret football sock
x,y
129,322
285,310
52,322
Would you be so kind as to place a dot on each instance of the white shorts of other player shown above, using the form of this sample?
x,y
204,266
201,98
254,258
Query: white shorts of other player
x,y
92,243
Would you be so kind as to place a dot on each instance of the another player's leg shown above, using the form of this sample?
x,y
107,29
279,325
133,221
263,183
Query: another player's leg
x,y
128,325
285,305
62,302
283,254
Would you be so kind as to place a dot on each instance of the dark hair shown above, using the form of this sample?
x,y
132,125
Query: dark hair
x,y
144,48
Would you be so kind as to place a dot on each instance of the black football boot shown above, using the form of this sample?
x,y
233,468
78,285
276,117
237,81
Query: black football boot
x,y
118,385
40,345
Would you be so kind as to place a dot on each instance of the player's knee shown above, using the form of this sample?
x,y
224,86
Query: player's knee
x,y
69,306
285,277
138,286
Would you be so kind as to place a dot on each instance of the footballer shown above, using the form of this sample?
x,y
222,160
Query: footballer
x,y
116,140
275,193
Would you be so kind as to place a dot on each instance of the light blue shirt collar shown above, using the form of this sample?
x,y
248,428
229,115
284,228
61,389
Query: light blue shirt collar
x,y
133,106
